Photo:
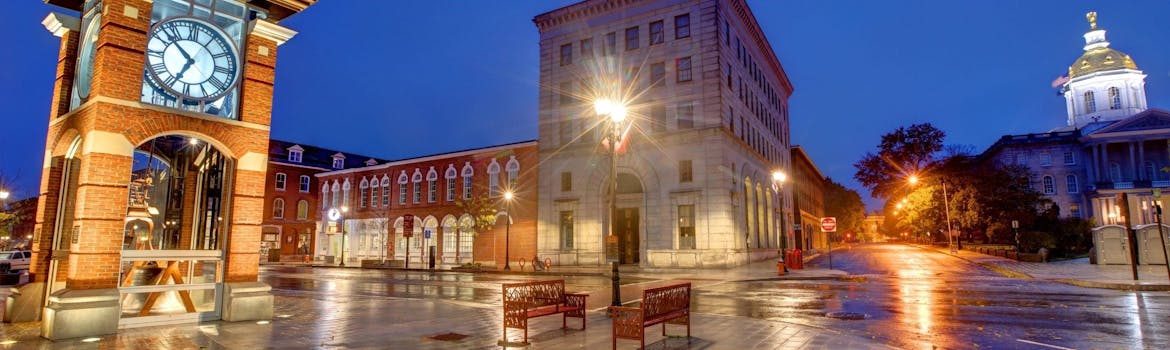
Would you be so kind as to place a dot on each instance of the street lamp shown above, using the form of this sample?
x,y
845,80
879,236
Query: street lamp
x,y
946,207
4,200
507,229
616,113
337,215
778,178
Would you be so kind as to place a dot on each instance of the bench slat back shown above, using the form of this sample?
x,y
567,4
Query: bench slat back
x,y
663,300
537,293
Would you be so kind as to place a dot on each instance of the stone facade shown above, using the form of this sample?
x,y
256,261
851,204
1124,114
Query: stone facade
x,y
707,100
809,193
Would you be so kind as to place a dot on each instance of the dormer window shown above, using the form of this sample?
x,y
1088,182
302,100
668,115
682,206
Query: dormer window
x,y
338,161
295,153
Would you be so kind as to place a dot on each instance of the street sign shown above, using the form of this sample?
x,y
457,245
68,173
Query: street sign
x,y
796,227
829,224
407,225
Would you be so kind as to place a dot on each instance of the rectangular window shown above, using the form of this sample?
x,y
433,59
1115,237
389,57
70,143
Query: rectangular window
x,y
450,190
682,68
467,188
338,163
305,183
566,181
417,192
586,48
566,93
1072,184
686,227
566,131
658,74
658,116
726,33
294,156
1045,159
1074,210
401,194
685,171
566,54
566,229
513,178
632,37
656,32
610,44
686,115
432,187
280,179
682,26
1069,159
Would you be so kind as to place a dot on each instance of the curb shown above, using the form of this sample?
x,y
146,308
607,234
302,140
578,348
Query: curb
x,y
1072,282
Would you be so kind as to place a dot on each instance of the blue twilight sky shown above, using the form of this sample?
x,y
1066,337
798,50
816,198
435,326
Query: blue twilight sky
x,y
396,79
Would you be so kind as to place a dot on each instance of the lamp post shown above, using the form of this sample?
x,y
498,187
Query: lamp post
x,y
508,229
778,178
616,113
946,208
336,214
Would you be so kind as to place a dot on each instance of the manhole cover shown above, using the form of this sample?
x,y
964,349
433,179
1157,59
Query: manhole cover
x,y
845,315
448,337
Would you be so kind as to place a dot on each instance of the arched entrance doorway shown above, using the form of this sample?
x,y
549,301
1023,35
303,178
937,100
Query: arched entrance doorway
x,y
175,229
627,219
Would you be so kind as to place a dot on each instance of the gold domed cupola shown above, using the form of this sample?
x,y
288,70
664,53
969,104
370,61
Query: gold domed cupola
x,y
1098,56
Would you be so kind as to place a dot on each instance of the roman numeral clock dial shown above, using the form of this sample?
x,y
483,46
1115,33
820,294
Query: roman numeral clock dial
x,y
192,59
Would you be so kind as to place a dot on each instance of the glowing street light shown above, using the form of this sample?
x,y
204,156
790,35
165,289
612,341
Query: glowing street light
x,y
508,229
778,179
913,179
616,113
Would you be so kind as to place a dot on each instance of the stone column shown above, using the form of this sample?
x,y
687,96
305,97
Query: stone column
x,y
1133,160
1141,148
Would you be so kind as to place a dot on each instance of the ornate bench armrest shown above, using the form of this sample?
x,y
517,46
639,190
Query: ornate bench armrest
x,y
627,322
576,299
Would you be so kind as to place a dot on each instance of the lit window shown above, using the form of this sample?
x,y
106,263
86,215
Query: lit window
x,y
682,26
686,227
656,32
1074,210
683,69
566,228
303,210
280,179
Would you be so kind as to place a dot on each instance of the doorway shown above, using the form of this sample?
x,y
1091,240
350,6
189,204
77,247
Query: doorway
x,y
626,228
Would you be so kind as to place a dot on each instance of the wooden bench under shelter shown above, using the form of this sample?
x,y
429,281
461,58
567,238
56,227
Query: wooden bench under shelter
x,y
523,301
662,305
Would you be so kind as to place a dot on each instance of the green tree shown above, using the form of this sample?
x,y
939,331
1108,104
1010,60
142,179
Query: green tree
x,y
482,210
844,204
903,152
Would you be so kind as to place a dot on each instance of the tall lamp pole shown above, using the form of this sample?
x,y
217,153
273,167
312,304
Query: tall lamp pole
x,y
508,230
946,208
616,113
341,221
778,178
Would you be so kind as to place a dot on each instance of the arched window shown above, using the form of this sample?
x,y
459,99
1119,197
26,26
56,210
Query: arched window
x,y
432,184
385,191
417,180
468,171
1072,183
336,193
278,208
345,193
493,178
513,169
324,195
402,181
303,210
1049,185
1114,98
1090,105
450,176
304,184
365,185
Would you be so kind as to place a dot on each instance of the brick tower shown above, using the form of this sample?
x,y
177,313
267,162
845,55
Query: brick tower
x,y
152,192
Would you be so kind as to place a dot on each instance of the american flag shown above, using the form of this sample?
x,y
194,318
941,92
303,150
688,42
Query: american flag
x,y
1060,81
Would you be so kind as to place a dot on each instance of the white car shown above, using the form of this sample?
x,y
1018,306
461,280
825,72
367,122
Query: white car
x,y
19,260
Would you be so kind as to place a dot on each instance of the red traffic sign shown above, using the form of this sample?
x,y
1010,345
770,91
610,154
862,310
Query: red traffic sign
x,y
829,224
407,225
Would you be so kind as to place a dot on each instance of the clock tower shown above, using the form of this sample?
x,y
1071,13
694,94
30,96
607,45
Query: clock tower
x,y
154,165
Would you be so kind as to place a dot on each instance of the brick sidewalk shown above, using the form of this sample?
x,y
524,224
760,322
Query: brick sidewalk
x,y
1076,272
318,320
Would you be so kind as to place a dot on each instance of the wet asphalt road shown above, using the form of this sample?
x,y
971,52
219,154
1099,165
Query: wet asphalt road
x,y
910,298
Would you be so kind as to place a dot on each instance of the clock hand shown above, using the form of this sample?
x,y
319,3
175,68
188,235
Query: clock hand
x,y
184,70
184,52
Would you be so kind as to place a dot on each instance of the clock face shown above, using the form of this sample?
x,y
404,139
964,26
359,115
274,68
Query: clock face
x,y
334,214
86,55
192,59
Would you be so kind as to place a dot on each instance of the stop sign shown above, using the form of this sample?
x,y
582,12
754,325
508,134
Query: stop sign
x,y
829,224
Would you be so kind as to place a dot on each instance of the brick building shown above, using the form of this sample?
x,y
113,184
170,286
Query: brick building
x,y
708,105
809,191
151,196
438,191
291,192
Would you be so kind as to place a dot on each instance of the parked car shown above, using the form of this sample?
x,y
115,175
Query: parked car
x,y
19,260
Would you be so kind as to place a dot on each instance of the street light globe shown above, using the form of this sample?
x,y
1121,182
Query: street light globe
x,y
3,194
779,176
508,195
603,106
913,179
344,209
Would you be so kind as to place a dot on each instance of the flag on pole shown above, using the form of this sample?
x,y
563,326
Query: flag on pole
x,y
1060,81
624,142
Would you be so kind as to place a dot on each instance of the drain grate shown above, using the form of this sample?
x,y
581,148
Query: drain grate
x,y
845,315
448,337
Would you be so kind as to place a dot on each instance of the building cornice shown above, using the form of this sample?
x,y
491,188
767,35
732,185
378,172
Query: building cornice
x,y
422,159
744,13
272,31
59,23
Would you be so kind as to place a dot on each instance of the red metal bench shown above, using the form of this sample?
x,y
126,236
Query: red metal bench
x,y
523,301
670,304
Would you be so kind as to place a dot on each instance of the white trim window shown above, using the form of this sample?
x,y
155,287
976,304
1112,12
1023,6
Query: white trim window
x,y
1072,184
432,185
295,154
468,172
385,191
278,208
1045,158
1069,158
305,183
417,182
1049,185
1090,104
493,171
345,193
450,176
336,193
402,181
1114,98
281,178
513,169
365,191
324,194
